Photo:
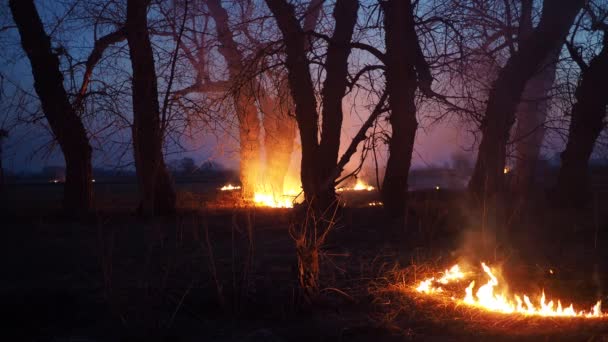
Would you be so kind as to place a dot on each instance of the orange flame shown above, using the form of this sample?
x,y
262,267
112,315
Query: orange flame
x,y
489,297
230,187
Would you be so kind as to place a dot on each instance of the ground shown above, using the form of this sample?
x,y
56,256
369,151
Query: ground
x,y
228,273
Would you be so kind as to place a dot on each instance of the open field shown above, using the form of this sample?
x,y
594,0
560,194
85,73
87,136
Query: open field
x,y
229,274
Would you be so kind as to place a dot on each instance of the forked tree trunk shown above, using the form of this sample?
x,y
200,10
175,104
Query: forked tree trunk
x,y
488,176
401,84
319,159
155,184
65,123
587,122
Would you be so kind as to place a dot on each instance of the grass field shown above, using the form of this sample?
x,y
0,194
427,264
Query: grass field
x,y
228,273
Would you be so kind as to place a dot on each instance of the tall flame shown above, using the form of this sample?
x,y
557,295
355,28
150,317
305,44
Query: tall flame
x,y
489,297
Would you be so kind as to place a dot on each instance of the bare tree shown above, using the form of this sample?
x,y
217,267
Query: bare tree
x,y
155,185
61,115
587,120
556,20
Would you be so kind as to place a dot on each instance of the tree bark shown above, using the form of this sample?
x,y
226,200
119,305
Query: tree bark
x,y
587,122
401,85
488,175
155,184
63,119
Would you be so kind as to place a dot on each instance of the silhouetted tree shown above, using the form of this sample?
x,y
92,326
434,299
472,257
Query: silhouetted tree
x,y
405,69
532,110
155,185
61,115
556,20
587,121
319,158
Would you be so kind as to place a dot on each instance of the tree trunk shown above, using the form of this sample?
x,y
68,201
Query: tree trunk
x,y
401,84
334,88
319,159
488,175
530,129
65,123
278,119
155,185
532,111
587,122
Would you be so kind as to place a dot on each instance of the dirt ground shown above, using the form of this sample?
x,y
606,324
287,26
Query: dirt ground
x,y
221,273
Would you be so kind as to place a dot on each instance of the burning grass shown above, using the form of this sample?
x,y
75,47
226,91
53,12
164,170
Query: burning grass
x,y
404,300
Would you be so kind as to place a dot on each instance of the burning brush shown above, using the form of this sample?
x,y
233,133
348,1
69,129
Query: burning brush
x,y
494,297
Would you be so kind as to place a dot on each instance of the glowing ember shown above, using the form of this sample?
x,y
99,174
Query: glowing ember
x,y
375,204
506,170
230,187
492,297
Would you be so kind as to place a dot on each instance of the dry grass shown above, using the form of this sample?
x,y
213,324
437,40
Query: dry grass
x,y
400,305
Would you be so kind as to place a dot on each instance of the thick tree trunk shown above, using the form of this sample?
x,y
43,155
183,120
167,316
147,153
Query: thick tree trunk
x,y
530,129
401,84
587,122
155,184
65,123
319,159
505,95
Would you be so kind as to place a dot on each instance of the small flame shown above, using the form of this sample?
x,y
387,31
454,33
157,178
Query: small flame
x,y
362,186
506,170
375,204
230,187
272,201
489,297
